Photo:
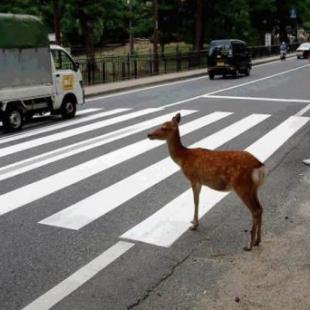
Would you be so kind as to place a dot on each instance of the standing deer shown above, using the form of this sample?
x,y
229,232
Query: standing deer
x,y
220,170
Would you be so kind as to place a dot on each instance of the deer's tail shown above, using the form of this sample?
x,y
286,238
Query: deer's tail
x,y
259,175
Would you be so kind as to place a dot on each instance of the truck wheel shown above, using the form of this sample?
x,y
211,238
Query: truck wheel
x,y
13,119
211,76
68,108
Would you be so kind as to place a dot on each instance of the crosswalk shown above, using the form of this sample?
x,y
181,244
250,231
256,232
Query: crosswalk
x,y
94,130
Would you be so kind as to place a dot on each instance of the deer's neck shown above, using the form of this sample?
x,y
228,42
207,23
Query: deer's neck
x,y
176,148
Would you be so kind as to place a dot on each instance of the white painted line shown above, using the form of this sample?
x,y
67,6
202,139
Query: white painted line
x,y
303,111
186,80
97,205
31,192
232,87
273,62
73,132
62,124
80,277
82,146
255,81
256,98
165,226
147,88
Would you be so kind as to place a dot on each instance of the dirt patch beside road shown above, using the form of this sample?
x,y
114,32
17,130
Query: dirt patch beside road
x,y
274,276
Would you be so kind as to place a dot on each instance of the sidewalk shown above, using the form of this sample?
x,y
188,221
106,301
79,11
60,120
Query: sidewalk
x,y
102,89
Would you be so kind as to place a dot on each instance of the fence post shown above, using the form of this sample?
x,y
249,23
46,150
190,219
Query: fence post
x,y
103,72
179,61
135,67
128,66
88,65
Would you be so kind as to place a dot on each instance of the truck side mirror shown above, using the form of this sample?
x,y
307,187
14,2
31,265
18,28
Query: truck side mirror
x,y
76,66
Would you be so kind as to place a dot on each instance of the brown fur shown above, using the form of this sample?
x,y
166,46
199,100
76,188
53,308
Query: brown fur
x,y
220,170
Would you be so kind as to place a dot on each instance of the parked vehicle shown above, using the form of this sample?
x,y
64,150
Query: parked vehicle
x,y
303,50
228,57
34,76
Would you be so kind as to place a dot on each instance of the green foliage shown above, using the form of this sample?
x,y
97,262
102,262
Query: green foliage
x,y
94,22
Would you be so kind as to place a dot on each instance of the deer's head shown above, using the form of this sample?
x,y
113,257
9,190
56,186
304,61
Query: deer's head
x,y
166,130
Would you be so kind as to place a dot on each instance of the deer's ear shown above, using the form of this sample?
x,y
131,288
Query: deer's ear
x,y
177,118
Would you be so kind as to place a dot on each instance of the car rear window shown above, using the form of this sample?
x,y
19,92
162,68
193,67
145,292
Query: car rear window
x,y
221,46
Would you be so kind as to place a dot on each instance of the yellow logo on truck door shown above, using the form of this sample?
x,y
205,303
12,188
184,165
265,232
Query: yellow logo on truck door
x,y
68,82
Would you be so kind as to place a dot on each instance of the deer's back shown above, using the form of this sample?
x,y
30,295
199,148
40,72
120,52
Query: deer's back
x,y
220,170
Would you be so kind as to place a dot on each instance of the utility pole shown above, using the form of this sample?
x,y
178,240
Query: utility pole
x,y
56,21
155,36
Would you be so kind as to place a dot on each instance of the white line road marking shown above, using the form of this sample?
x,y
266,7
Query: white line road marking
x,y
67,151
80,277
255,81
73,132
231,87
62,124
31,192
165,226
303,111
257,99
186,80
97,205
146,88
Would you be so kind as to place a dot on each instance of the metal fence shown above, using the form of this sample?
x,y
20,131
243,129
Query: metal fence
x,y
117,68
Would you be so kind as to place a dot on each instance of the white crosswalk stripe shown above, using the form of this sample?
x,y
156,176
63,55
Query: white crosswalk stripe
x,y
29,193
63,124
165,226
73,132
79,215
82,146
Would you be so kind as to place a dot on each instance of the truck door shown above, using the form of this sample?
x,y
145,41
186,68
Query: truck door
x,y
67,77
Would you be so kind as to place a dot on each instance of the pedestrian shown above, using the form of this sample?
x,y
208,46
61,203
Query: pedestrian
x,y
307,161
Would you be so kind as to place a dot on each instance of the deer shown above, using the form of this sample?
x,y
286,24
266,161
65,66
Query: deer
x,y
221,170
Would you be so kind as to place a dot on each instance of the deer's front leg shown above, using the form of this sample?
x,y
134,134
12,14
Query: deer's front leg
x,y
196,192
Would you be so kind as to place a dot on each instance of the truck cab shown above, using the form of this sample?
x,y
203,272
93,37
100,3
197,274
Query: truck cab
x,y
35,77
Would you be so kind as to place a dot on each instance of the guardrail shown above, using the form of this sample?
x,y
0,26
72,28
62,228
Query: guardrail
x,y
106,69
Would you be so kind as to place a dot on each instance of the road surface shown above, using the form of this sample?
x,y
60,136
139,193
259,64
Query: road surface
x,y
93,215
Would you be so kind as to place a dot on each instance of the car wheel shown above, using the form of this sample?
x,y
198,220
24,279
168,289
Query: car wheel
x,y
211,76
68,108
235,73
247,71
13,119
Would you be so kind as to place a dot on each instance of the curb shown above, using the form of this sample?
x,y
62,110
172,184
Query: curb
x,y
139,83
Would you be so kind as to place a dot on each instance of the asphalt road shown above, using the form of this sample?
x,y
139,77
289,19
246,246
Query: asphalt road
x,y
95,216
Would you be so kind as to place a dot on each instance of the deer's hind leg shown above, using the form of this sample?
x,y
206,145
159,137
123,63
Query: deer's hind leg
x,y
249,196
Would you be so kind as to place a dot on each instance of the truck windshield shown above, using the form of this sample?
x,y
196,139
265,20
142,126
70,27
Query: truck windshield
x,y
62,60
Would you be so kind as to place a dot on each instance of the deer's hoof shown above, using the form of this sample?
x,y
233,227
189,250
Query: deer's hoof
x,y
194,226
247,249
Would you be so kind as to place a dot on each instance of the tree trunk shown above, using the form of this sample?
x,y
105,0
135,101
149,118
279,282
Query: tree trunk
x,y
198,26
90,53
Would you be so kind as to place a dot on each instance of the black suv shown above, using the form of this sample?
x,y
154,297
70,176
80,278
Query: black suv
x,y
228,57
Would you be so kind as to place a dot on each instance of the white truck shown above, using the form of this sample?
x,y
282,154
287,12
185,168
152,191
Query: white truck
x,y
35,77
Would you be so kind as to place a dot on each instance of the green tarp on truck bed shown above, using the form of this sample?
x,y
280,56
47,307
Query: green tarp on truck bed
x,y
22,31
